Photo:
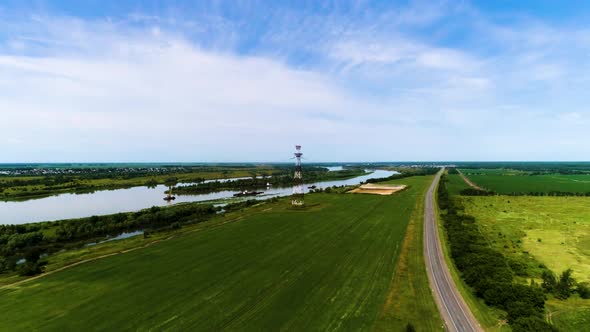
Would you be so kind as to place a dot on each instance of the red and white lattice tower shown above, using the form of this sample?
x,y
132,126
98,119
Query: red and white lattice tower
x,y
297,199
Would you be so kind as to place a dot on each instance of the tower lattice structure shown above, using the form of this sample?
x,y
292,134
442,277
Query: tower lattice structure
x,y
297,199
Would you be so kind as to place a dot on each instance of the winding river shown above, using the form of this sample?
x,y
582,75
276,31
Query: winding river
x,y
67,206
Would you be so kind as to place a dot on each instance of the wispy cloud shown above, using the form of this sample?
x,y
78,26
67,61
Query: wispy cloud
x,y
352,83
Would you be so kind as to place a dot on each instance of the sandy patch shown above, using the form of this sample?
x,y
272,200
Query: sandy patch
x,y
378,189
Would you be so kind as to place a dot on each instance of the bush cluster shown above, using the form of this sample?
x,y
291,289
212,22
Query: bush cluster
x,y
476,192
564,286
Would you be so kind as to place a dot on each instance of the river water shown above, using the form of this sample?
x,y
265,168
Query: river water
x,y
68,206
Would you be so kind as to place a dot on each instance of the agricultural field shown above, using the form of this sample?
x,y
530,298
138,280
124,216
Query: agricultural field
x,y
332,266
553,231
521,183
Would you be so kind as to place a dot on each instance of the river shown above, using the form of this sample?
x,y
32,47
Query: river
x,y
68,206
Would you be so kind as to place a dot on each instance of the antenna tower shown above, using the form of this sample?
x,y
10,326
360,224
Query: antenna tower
x,y
297,179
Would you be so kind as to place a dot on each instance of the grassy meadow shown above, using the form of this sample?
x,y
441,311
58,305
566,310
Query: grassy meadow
x,y
331,266
553,231
570,315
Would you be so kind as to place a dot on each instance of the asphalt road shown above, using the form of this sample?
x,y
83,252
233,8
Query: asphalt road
x,y
451,305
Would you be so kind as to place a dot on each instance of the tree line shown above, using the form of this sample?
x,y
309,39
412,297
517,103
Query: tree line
x,y
477,192
488,271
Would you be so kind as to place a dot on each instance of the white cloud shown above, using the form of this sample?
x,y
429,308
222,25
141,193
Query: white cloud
x,y
106,90
138,92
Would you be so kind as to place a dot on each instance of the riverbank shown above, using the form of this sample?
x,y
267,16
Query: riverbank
x,y
69,206
19,188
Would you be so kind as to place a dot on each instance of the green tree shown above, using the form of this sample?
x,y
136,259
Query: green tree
x,y
549,281
565,285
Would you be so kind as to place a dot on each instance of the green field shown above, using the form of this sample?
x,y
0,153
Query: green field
x,y
456,184
554,231
508,183
330,267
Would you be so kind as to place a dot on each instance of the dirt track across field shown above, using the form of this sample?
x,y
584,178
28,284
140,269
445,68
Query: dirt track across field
x,y
468,181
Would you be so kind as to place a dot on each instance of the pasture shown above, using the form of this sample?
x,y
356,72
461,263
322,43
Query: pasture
x,y
553,230
330,266
524,184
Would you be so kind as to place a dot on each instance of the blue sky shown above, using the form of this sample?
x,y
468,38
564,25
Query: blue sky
x,y
246,80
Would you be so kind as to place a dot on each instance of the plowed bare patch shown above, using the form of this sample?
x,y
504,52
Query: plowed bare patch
x,y
377,189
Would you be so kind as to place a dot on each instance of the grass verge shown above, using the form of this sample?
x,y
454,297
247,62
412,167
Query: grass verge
x,y
410,299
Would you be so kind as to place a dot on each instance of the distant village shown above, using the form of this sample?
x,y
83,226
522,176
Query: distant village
x,y
86,170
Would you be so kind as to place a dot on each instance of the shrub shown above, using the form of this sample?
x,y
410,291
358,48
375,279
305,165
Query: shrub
x,y
583,290
30,269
